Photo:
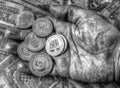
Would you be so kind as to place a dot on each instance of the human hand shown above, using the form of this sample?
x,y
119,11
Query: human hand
x,y
93,43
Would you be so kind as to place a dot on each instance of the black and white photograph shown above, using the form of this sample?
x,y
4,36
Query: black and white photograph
x,y
59,43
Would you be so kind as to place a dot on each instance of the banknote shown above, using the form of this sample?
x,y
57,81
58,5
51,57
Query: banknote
x,y
8,65
26,80
4,82
112,7
29,5
5,60
8,13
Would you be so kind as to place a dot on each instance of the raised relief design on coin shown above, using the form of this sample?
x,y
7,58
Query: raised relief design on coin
x,y
55,45
41,64
42,27
35,43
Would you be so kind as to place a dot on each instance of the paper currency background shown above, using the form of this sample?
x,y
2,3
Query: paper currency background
x,y
59,43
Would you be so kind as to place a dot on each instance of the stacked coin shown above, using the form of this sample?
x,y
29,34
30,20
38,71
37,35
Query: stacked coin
x,y
24,53
42,27
56,44
25,19
35,43
41,64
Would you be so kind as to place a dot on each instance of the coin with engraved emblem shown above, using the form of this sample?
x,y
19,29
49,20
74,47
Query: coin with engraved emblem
x,y
41,64
42,27
35,43
55,45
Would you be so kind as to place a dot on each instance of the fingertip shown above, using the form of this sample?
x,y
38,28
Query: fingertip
x,y
58,10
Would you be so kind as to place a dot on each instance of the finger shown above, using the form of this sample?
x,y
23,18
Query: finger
x,y
71,13
61,66
61,27
58,10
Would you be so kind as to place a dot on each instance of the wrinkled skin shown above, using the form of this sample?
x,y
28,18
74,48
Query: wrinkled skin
x,y
93,52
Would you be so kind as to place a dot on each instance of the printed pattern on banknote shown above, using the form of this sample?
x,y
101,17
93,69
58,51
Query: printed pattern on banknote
x,y
8,12
3,82
25,80
5,60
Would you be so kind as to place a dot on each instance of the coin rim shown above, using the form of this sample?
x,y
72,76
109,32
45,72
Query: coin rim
x,y
28,43
65,41
46,71
47,43
41,34
19,15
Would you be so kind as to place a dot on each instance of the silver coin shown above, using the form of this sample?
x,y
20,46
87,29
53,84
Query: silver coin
x,y
55,45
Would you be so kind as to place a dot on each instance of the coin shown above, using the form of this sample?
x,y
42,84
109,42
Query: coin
x,y
35,43
24,53
41,64
55,45
25,19
42,27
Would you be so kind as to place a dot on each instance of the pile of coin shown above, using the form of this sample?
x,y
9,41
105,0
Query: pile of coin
x,y
38,41
41,44
32,50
